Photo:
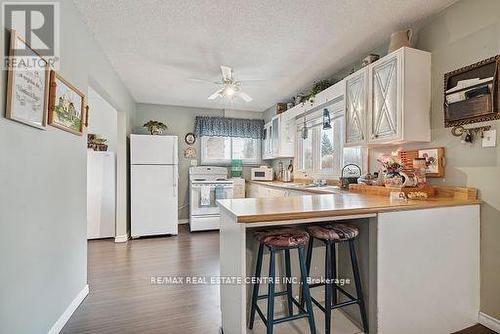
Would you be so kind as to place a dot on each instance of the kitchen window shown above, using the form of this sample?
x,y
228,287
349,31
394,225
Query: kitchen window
x,y
322,153
221,150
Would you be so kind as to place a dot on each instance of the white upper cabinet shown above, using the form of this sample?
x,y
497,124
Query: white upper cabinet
x,y
281,132
288,128
399,98
385,99
275,138
267,141
356,93
279,141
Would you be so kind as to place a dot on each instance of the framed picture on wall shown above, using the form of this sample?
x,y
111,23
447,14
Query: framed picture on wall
x,y
27,87
66,105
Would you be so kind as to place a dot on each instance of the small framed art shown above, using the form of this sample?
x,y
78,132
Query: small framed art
x,y
66,105
27,87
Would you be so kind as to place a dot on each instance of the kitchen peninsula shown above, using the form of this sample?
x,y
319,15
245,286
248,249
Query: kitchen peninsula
x,y
423,254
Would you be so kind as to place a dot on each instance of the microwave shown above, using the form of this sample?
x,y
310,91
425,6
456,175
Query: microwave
x,y
262,173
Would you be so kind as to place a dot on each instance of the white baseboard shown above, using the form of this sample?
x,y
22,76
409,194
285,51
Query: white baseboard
x,y
489,321
121,238
183,221
63,319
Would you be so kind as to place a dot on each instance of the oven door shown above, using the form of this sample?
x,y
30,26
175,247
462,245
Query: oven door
x,y
204,197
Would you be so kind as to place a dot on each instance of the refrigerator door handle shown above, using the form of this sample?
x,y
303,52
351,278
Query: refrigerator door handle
x,y
174,155
174,186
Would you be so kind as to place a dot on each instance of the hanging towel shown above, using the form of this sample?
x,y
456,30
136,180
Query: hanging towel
x,y
205,196
219,192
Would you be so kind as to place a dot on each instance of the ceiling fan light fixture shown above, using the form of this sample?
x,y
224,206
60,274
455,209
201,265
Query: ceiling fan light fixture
x,y
229,91
230,88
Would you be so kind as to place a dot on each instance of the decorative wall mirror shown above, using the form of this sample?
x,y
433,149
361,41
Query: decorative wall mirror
x,y
472,93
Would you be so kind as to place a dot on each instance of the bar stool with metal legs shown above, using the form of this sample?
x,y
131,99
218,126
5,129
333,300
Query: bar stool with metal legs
x,y
331,234
278,240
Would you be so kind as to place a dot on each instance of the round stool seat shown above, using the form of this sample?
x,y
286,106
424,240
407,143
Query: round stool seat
x,y
282,237
334,232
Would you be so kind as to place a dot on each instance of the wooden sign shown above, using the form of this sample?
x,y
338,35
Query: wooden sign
x,y
433,156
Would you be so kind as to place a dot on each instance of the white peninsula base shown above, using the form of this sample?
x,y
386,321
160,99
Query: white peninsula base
x,y
420,268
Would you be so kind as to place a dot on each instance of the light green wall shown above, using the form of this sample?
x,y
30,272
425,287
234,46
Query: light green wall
x,y
462,34
180,120
43,241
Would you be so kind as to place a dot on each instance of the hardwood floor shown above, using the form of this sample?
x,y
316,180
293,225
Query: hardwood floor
x,y
123,300
477,329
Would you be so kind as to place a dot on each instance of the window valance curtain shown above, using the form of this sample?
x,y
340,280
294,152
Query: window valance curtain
x,y
229,127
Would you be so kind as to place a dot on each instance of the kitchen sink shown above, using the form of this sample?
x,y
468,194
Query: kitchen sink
x,y
311,186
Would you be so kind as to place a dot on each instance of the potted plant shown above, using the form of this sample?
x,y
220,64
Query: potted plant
x,y
96,142
317,87
101,144
155,127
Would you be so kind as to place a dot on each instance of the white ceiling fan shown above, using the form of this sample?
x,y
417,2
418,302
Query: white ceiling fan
x,y
230,87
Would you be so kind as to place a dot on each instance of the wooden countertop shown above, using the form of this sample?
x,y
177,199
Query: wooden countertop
x,y
253,210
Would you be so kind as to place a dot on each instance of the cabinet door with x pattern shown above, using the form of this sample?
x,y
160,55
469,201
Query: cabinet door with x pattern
x,y
384,108
356,95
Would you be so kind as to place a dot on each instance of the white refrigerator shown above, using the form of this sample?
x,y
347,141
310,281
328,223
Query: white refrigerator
x,y
153,185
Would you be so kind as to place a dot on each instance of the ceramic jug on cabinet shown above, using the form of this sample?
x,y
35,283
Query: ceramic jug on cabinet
x,y
400,39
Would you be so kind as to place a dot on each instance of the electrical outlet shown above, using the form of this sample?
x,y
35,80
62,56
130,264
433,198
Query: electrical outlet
x,y
194,163
489,138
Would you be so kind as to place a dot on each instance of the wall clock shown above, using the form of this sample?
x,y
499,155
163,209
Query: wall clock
x,y
190,138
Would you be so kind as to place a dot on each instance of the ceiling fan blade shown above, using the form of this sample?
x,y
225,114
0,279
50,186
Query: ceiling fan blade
x,y
252,80
216,94
227,73
245,96
205,81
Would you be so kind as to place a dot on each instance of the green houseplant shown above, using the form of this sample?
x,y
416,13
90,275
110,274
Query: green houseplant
x,y
317,87
155,127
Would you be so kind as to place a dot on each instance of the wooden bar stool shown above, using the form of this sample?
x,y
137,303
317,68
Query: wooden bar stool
x,y
277,240
330,234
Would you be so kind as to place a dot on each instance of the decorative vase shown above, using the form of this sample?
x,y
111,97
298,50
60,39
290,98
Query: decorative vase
x,y
409,181
155,131
400,39
393,179
297,100
101,147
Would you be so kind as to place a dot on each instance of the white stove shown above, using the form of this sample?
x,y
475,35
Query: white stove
x,y
207,185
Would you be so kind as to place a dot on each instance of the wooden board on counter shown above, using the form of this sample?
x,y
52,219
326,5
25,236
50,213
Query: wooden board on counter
x,y
459,193
385,191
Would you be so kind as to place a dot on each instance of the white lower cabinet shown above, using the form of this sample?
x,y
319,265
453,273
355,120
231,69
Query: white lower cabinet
x,y
252,190
255,190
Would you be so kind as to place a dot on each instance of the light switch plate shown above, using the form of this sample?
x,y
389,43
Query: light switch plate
x,y
489,138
